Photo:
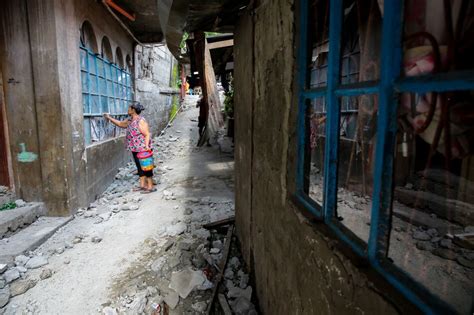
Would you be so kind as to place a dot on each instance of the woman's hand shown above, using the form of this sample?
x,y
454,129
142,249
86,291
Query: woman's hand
x,y
106,116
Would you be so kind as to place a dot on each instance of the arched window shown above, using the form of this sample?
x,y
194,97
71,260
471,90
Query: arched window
x,y
119,58
106,87
107,49
129,63
88,39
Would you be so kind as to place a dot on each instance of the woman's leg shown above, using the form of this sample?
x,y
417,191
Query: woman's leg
x,y
141,174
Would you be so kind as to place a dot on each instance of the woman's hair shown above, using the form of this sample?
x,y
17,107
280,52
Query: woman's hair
x,y
137,107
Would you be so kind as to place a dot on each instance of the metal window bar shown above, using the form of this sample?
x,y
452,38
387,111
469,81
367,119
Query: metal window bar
x,y
387,88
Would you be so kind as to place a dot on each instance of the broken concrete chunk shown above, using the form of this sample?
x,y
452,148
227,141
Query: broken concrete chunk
x,y
21,269
96,239
3,283
3,268
234,263
21,260
185,281
235,293
242,306
421,236
20,203
36,262
11,275
158,264
425,245
139,303
172,299
465,262
21,286
214,251
176,229
445,253
46,273
199,307
4,296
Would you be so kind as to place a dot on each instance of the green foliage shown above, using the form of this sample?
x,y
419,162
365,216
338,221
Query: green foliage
x,y
211,34
182,45
174,108
229,103
175,80
8,206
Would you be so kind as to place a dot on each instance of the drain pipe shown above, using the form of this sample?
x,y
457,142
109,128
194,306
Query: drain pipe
x,y
104,2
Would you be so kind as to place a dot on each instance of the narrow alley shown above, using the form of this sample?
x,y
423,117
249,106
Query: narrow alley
x,y
236,157
121,251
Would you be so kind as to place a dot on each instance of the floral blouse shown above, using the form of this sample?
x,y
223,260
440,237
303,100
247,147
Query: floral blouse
x,y
135,140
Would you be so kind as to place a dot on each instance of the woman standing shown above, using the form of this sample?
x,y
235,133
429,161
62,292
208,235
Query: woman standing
x,y
138,140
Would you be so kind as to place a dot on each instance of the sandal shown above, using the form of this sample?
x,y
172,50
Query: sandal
x,y
137,189
148,191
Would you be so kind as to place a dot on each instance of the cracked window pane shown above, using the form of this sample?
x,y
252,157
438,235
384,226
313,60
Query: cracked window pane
x,y
316,133
358,125
432,236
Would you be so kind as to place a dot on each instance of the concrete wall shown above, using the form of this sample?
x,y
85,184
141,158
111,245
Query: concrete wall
x,y
153,83
40,63
299,267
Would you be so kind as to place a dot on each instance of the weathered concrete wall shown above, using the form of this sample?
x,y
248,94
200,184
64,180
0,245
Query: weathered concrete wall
x,y
153,84
39,58
15,62
298,269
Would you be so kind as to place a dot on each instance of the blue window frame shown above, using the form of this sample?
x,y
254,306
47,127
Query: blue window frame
x,y
106,88
329,89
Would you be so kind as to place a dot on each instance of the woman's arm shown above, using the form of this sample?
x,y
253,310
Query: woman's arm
x,y
145,130
118,123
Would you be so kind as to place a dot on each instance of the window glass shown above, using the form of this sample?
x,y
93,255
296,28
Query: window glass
x,y
357,128
92,63
319,43
85,103
438,36
103,86
100,67
316,140
432,235
93,84
95,105
83,59
85,82
361,38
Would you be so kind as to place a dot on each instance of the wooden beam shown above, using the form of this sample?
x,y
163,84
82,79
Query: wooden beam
x,y
221,44
219,223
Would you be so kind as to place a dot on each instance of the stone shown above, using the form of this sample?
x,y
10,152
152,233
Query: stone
x,y
36,262
96,239
425,245
3,283
139,303
202,234
446,243
77,240
172,300
244,281
235,293
218,244
67,261
214,251
21,260
124,208
176,229
4,296
445,253
21,286
229,274
188,211
432,232
465,262
234,262
68,245
185,281
3,268
199,307
242,306
421,236
109,311
11,275
20,203
46,273
158,264
21,269
184,245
